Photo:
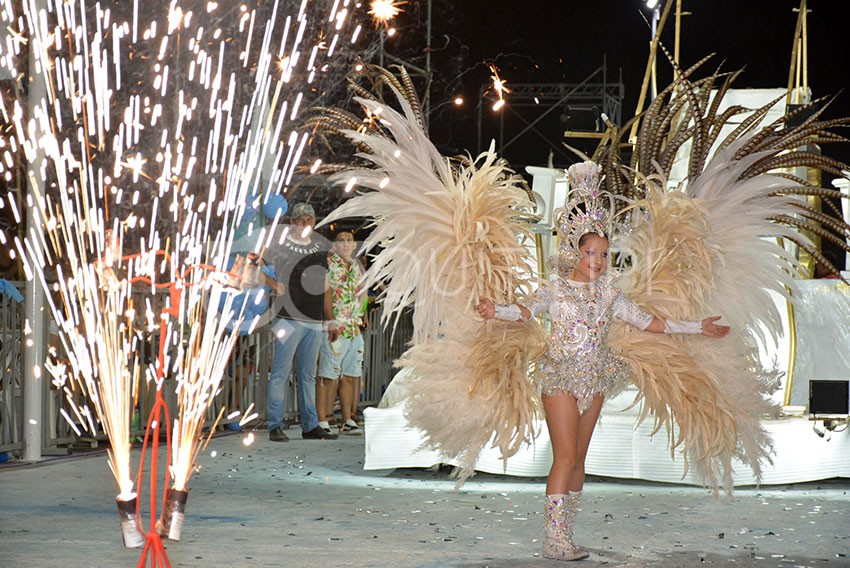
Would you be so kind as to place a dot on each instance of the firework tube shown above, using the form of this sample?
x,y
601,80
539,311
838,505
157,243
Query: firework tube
x,y
170,523
133,537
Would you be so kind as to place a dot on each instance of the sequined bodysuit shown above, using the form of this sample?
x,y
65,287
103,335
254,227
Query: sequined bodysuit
x,y
578,360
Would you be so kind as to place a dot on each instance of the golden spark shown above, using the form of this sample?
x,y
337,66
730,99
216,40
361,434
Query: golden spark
x,y
498,87
384,10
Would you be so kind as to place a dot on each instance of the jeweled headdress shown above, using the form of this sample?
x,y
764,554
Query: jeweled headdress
x,y
587,210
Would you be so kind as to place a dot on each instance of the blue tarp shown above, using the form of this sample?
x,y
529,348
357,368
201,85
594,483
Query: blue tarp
x,y
9,289
251,299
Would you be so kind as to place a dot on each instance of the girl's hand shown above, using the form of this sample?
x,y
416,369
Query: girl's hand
x,y
711,329
486,308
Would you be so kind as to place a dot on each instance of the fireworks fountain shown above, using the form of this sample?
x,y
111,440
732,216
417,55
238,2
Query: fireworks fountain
x,y
145,146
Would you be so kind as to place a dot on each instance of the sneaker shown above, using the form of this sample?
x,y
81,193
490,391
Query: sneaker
x,y
350,428
277,435
318,433
324,425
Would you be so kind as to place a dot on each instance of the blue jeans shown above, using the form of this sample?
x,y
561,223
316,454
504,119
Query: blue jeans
x,y
297,341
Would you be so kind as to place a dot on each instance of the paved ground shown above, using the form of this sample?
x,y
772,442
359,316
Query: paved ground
x,y
310,504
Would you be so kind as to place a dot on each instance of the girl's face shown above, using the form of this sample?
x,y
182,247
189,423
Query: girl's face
x,y
344,245
594,259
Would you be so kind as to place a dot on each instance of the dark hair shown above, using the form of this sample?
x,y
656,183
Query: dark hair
x,y
584,237
336,232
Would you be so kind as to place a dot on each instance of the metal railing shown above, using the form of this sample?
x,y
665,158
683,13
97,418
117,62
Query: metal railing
x,y
11,368
244,386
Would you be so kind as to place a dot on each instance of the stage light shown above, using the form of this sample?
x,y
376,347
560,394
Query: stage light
x,y
651,4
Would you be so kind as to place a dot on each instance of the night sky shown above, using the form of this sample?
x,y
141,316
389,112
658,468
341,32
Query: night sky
x,y
564,42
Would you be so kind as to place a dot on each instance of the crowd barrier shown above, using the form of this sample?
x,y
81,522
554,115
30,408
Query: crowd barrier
x,y
243,387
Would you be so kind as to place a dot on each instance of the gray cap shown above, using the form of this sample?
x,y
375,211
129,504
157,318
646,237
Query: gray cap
x,y
302,209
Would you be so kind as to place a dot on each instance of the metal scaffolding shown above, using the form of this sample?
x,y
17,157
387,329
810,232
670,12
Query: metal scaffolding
x,y
595,96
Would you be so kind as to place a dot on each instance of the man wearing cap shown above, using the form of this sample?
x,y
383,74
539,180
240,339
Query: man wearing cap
x,y
301,263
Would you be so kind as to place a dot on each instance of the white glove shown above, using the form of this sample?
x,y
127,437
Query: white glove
x,y
685,327
509,312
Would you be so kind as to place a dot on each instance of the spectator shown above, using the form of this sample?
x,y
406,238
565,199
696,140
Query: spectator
x,y
301,264
341,361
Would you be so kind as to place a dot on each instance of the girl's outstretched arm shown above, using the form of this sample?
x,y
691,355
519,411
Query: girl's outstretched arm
x,y
511,312
705,327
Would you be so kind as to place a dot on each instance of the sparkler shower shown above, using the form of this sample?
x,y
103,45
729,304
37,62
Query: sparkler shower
x,y
147,134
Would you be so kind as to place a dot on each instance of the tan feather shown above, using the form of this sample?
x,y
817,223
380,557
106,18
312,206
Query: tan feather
x,y
448,233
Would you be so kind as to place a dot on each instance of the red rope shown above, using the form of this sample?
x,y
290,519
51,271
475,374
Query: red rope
x,y
153,543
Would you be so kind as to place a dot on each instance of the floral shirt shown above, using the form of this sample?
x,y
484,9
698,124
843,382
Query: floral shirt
x,y
347,299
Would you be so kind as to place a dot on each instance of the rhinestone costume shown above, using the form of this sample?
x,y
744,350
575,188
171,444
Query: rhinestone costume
x,y
578,360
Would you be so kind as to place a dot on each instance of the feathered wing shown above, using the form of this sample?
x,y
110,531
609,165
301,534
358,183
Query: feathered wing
x,y
712,249
709,395
448,233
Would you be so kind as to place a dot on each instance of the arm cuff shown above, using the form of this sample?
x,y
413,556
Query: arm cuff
x,y
509,312
685,327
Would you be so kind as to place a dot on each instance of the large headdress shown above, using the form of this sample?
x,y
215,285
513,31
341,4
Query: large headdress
x,y
587,210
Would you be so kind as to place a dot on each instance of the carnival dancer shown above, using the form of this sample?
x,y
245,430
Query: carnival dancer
x,y
578,368
451,231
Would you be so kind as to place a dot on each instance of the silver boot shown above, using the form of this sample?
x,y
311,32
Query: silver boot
x,y
560,515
